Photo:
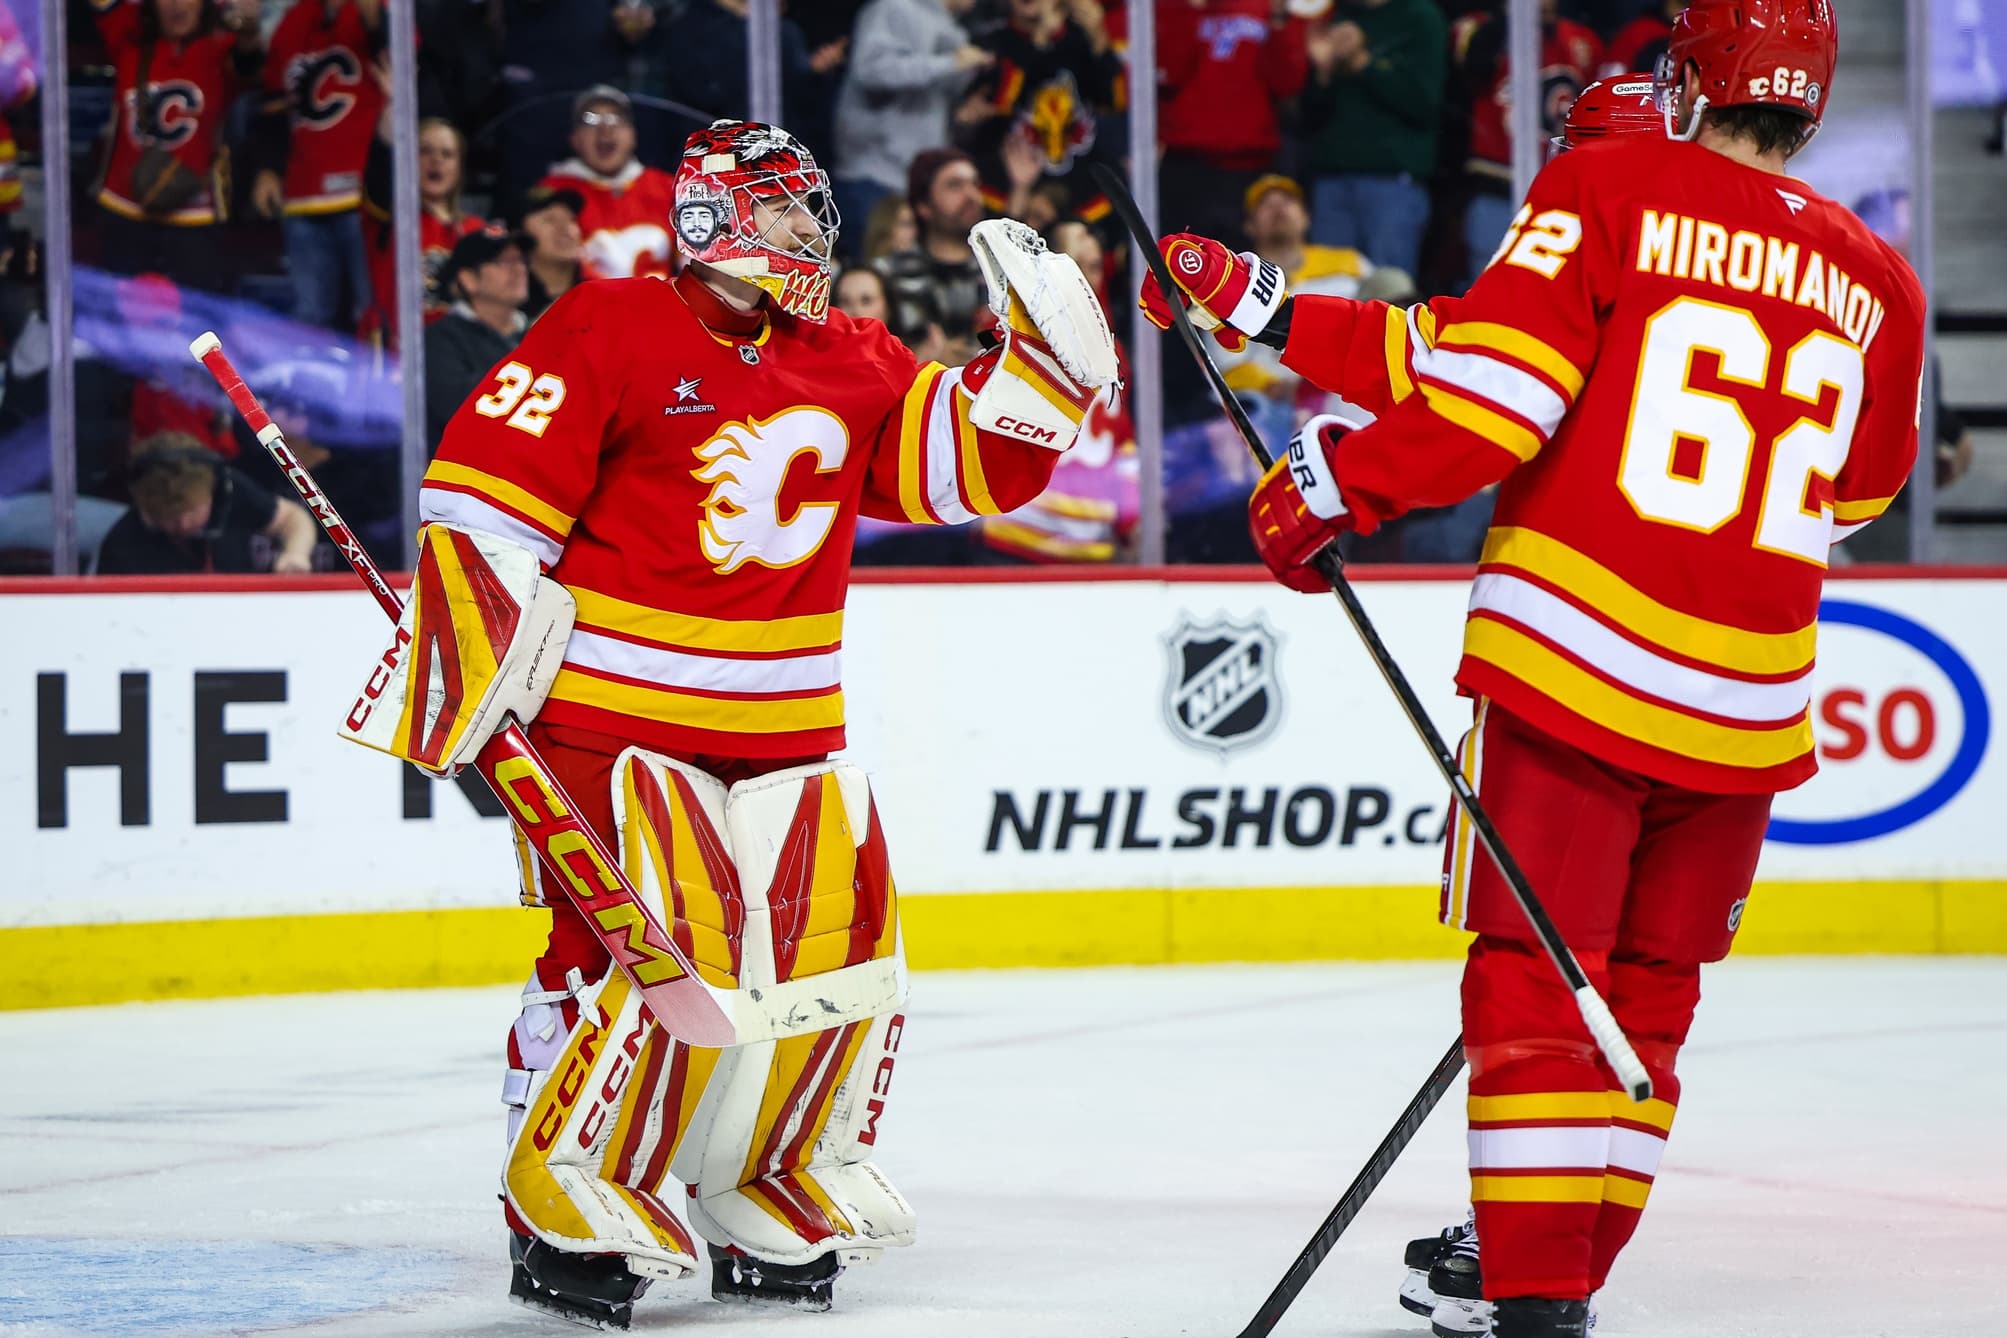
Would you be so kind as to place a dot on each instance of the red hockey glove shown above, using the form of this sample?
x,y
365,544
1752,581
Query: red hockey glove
x,y
1234,296
1295,512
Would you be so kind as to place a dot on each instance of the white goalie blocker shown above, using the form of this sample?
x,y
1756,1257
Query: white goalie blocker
x,y
1057,352
480,639
779,890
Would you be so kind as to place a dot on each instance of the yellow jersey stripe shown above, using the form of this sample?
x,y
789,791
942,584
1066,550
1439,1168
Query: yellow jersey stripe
x,y
813,631
1518,344
913,445
1657,1112
513,496
1537,1188
1865,510
1625,1192
1591,585
1529,1106
1398,379
764,715
1548,672
1495,428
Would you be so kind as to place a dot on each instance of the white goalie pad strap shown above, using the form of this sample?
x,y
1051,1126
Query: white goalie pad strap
x,y
1055,297
481,638
577,1118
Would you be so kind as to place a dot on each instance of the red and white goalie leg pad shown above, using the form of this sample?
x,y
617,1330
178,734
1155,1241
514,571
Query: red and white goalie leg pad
x,y
607,1093
480,640
778,1160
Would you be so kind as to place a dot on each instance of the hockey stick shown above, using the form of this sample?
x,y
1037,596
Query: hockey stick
x,y
574,856
1595,1011
1355,1195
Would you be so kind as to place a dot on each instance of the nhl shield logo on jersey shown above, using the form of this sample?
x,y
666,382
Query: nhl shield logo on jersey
x,y
1222,692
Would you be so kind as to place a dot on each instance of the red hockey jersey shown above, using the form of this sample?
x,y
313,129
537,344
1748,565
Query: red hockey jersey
x,y
698,491
318,64
1693,376
191,84
626,218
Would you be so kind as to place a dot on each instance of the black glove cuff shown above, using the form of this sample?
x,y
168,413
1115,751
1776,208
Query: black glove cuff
x,y
1275,334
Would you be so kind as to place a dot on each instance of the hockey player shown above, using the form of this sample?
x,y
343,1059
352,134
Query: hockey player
x,y
638,533
1690,374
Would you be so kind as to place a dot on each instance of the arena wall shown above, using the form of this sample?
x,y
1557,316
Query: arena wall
x,y
1164,766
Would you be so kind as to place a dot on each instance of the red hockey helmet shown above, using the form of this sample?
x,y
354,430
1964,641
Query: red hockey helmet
x,y
1777,53
1623,104
751,203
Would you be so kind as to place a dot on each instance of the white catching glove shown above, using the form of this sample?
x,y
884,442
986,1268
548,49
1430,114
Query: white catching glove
x,y
1057,353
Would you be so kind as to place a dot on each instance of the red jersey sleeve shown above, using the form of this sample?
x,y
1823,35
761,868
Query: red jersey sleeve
x,y
118,23
1883,451
520,456
930,465
1363,352
1493,384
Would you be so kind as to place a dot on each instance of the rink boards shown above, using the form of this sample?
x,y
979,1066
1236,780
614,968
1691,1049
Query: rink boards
x,y
1169,767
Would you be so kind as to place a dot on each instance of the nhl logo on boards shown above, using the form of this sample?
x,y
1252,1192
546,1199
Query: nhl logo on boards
x,y
1222,692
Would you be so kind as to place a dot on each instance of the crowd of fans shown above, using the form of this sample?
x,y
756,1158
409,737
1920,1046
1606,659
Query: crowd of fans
x,y
1362,145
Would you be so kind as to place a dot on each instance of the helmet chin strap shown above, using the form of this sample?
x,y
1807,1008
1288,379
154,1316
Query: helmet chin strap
x,y
1692,120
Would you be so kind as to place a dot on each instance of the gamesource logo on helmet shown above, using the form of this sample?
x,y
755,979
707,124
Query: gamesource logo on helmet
x,y
751,202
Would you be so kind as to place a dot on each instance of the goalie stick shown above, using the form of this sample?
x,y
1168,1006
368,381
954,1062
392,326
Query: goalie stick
x,y
1595,1010
577,860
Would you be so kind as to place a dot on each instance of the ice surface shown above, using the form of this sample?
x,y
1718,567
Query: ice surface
x,y
1111,1154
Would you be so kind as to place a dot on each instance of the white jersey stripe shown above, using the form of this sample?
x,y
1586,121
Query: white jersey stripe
x,y
470,512
943,455
812,672
1550,1146
1503,384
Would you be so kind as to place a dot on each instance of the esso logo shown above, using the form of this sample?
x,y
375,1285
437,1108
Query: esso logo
x,y
1900,721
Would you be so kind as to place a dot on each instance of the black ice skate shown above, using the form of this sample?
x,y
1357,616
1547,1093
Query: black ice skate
x,y
1425,1254
737,1276
1540,1317
591,1289
1458,1286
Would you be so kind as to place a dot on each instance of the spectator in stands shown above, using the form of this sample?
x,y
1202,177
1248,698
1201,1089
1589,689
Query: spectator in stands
x,y
549,226
1637,46
320,116
1054,70
890,227
941,272
627,205
707,68
1570,55
18,82
178,65
192,512
1277,223
550,48
489,281
1050,202
861,293
909,62
442,156
1371,114
1225,67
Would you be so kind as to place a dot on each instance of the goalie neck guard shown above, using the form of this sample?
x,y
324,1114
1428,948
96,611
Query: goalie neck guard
x,y
752,203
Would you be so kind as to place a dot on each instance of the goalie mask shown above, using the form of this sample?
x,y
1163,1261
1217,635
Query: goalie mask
x,y
752,203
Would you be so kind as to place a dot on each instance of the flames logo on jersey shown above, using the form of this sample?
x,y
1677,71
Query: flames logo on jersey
x,y
173,114
316,80
746,463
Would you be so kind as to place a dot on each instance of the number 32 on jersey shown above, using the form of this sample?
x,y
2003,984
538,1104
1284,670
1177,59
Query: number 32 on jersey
x,y
523,398
1667,411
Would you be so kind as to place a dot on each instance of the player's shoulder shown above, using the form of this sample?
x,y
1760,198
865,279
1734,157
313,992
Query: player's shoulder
x,y
1844,237
614,311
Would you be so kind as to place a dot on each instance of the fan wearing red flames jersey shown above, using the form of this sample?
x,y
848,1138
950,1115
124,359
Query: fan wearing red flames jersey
x,y
627,205
320,115
639,535
161,189
1690,374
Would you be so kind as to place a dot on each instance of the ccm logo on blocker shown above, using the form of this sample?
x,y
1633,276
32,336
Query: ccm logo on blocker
x,y
1899,735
